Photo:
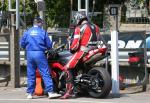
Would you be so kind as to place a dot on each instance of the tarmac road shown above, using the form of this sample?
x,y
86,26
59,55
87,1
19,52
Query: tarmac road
x,y
17,95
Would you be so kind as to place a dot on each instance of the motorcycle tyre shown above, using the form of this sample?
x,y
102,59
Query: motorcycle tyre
x,y
107,83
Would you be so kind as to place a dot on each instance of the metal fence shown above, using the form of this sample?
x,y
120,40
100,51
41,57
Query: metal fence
x,y
57,39
5,48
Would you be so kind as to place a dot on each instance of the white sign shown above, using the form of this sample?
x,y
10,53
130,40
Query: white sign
x,y
113,10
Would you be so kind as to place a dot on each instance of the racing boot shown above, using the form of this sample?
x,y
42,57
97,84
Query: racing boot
x,y
69,91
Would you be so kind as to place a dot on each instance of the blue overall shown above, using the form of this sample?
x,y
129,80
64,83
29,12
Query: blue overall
x,y
35,41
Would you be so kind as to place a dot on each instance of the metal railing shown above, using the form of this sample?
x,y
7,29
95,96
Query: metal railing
x,y
5,50
136,15
138,20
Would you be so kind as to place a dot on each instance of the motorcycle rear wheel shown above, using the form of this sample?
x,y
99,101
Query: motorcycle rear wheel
x,y
102,82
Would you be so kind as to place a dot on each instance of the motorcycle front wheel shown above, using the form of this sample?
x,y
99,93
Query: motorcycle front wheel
x,y
100,86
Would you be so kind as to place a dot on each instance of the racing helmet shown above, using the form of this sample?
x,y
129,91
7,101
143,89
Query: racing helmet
x,y
78,17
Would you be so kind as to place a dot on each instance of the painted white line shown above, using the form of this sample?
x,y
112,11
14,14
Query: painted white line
x,y
58,100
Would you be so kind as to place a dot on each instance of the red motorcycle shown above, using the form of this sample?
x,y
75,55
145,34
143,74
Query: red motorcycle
x,y
89,78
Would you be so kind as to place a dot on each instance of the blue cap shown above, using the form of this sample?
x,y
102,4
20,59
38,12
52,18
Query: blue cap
x,y
38,20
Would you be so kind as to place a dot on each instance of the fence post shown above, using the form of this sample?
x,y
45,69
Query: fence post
x,y
14,54
114,51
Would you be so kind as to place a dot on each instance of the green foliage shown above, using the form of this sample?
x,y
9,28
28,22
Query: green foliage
x,y
29,9
141,1
3,7
58,13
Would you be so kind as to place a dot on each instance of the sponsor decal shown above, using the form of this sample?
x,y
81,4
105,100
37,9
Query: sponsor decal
x,y
129,40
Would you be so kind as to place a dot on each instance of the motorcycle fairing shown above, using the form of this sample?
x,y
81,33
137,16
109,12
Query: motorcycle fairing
x,y
94,54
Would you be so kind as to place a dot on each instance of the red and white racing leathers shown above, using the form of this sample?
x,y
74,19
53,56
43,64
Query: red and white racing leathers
x,y
85,36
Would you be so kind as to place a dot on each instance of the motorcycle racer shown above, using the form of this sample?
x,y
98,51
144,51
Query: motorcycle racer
x,y
85,38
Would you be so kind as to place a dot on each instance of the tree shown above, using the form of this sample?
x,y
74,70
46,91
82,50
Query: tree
x,y
3,5
58,13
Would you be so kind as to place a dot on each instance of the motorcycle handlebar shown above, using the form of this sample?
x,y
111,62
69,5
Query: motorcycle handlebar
x,y
60,47
54,51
